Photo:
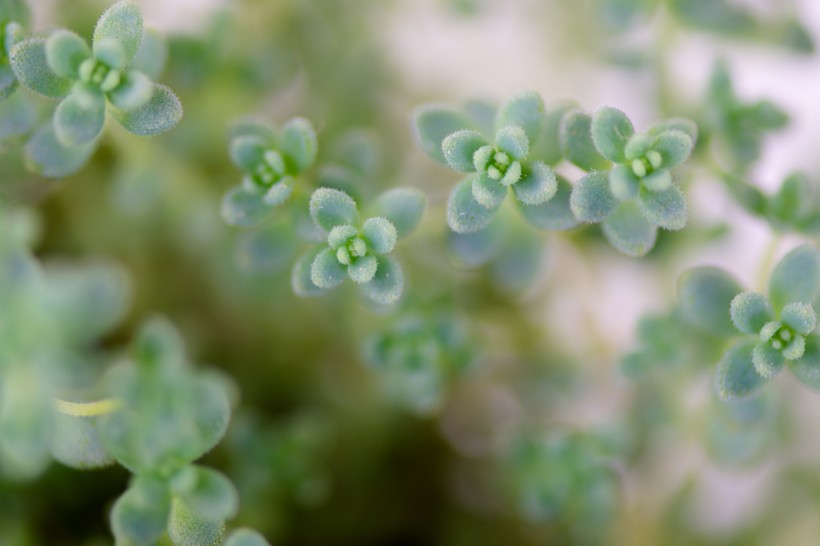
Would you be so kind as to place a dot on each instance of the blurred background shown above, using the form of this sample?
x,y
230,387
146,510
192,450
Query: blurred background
x,y
555,411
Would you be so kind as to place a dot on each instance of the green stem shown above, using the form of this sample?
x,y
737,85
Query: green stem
x,y
88,409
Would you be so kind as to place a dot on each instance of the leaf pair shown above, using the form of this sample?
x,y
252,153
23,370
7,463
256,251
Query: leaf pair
x,y
357,250
271,161
777,333
636,196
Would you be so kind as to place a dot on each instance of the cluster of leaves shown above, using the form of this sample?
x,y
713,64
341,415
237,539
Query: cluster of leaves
x,y
767,334
112,76
419,355
629,186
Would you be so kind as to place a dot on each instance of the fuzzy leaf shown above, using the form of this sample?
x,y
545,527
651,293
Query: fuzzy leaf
x,y
248,151
245,537
736,375
796,277
299,143
666,209
553,215
158,115
460,147
363,269
381,234
207,492
186,527
279,192
750,312
121,23
152,54
111,52
65,51
140,515
243,208
525,110
576,142
611,130
75,442
807,368
135,91
464,213
46,156
28,59
800,317
674,147
675,124
17,116
488,192
591,200
300,278
767,360
705,295
79,119
513,140
538,185
326,272
476,249
623,183
8,81
330,208
387,285
404,207
629,231
432,124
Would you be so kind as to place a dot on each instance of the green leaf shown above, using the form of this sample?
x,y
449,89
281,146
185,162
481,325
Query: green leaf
x,y
525,110
75,442
363,269
112,53
553,215
611,130
47,156
629,231
800,317
464,213
705,295
807,368
736,375
478,248
387,285
767,360
675,124
666,209
28,59
538,184
122,23
299,143
188,528
134,91
750,312
79,119
330,208
404,207
279,192
381,234
460,147
488,192
674,147
576,142
431,124
548,146
206,492
591,200
248,151
623,183
300,279
8,81
657,181
158,115
326,272
65,51
243,208
152,54
17,116
796,278
245,537
513,140
141,514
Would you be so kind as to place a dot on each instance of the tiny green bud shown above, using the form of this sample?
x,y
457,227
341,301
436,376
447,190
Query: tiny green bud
x,y
655,158
638,168
358,247
343,255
